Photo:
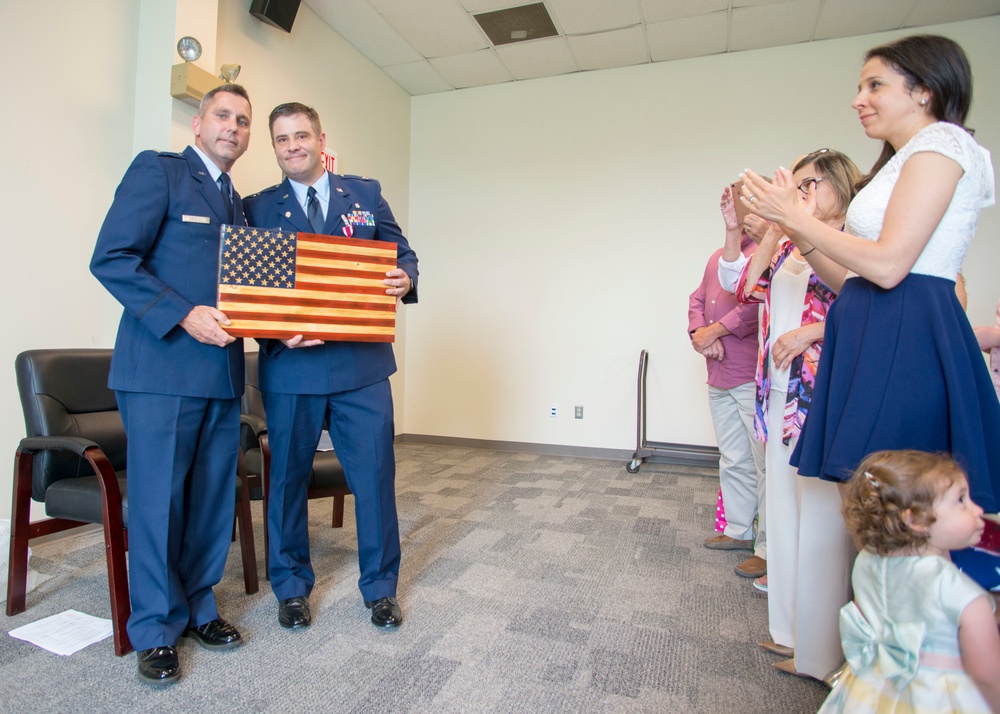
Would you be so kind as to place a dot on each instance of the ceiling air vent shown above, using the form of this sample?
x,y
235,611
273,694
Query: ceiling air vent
x,y
517,24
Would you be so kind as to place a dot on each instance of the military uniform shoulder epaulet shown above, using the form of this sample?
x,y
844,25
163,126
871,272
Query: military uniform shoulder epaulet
x,y
263,191
352,177
171,155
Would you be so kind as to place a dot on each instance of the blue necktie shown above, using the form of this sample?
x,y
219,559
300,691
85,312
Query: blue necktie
x,y
315,212
226,188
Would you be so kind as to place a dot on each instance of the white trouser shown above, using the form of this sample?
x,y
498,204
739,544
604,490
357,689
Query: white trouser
x,y
782,527
741,462
826,557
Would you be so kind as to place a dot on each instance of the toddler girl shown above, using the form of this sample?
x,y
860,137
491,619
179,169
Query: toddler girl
x,y
920,635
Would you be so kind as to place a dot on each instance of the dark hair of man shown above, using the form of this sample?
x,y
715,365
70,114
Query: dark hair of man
x,y
236,89
290,109
933,63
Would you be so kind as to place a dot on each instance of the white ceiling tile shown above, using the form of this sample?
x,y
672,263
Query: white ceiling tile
x,y
688,37
418,78
933,12
752,28
617,48
369,33
538,58
401,35
478,6
577,17
435,28
847,18
474,69
662,10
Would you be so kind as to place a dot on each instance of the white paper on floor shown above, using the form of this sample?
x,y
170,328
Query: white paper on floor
x,y
65,633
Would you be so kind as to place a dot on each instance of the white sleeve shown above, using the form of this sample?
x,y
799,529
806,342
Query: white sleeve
x,y
729,272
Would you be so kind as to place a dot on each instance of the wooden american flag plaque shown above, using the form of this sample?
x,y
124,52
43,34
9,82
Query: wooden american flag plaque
x,y
279,284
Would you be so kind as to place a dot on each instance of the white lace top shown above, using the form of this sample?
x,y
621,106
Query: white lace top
x,y
944,252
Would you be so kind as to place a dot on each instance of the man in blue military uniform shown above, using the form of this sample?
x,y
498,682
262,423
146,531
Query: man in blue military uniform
x,y
178,376
346,383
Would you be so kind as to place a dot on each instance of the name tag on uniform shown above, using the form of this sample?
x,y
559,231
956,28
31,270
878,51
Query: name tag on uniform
x,y
195,219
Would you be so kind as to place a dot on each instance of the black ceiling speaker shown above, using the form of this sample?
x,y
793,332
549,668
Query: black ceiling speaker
x,y
278,13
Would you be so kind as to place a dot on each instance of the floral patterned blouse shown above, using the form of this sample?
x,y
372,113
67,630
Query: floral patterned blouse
x,y
802,372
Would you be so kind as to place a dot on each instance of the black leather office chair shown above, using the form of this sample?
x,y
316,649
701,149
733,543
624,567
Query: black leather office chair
x,y
74,461
327,480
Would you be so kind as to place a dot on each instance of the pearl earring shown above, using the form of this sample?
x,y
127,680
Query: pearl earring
x,y
923,102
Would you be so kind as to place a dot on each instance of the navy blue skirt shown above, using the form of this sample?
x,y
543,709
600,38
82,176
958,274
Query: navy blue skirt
x,y
901,369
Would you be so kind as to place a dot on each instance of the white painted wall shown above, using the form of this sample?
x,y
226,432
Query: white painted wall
x,y
68,125
562,224
74,107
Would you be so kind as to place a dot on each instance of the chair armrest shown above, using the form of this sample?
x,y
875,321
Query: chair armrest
x,y
75,444
253,421
90,452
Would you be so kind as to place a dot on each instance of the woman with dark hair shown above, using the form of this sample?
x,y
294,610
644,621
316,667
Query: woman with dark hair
x,y
901,366
803,514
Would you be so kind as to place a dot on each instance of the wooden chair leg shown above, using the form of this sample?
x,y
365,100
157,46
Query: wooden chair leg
x,y
17,572
121,608
115,546
338,511
247,550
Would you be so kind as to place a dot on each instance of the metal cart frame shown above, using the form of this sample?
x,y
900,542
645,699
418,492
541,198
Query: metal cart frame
x,y
661,451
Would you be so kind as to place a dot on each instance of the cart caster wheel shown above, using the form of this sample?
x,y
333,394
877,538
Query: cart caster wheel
x,y
633,466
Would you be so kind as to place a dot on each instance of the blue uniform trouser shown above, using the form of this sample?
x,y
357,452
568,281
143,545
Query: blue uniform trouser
x,y
361,428
182,454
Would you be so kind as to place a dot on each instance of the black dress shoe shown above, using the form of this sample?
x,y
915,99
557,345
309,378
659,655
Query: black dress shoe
x,y
385,612
159,666
293,613
216,635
